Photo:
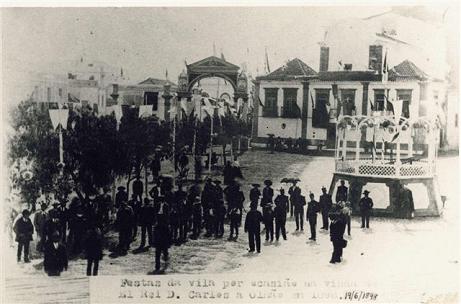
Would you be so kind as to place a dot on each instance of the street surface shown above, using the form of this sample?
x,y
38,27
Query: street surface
x,y
416,259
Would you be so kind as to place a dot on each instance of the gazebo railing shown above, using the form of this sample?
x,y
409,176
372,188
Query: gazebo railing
x,y
380,168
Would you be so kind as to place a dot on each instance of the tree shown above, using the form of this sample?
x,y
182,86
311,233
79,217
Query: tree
x,y
36,144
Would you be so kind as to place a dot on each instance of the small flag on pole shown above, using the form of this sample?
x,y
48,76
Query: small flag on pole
x,y
385,72
267,62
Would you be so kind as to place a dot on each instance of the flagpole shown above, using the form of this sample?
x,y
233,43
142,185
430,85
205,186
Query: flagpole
x,y
174,147
211,143
61,152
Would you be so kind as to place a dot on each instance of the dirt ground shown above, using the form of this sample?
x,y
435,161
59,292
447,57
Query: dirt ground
x,y
408,254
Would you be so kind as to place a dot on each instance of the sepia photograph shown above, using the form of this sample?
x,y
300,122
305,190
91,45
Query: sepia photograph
x,y
230,154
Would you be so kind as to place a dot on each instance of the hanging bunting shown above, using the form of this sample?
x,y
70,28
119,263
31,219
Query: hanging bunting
x,y
59,117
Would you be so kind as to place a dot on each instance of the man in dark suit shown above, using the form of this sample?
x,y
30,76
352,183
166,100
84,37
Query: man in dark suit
x,y
162,242
255,194
313,208
295,193
252,226
24,230
341,192
325,206
337,227
268,193
120,196
299,203
280,212
63,219
138,188
208,197
125,222
93,249
146,220
366,205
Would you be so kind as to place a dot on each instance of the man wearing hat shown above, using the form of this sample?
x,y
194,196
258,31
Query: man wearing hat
x,y
208,202
219,209
235,199
337,227
299,203
280,213
138,188
125,222
196,217
40,219
120,196
341,192
268,215
146,220
268,193
162,242
55,260
180,196
365,204
252,226
63,219
313,208
24,230
325,206
154,192
255,194
295,193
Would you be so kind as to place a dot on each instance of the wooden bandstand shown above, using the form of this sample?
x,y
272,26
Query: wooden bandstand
x,y
388,155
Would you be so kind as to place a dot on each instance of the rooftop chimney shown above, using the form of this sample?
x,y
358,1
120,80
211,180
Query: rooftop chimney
x,y
375,58
324,57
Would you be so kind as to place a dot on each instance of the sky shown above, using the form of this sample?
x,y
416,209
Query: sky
x,y
148,41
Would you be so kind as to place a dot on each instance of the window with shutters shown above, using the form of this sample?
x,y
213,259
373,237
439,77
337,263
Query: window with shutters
x,y
320,115
379,100
348,101
290,108
405,96
270,102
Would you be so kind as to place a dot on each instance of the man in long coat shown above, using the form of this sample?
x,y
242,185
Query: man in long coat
x,y
252,226
295,193
125,222
337,227
280,212
325,206
255,193
24,231
299,204
313,208
162,242
365,204
40,219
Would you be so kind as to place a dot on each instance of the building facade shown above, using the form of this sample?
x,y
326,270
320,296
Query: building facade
x,y
297,102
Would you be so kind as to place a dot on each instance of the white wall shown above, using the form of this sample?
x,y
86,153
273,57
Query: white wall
x,y
281,85
269,125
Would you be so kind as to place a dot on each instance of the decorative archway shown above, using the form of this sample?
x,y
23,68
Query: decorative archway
x,y
213,67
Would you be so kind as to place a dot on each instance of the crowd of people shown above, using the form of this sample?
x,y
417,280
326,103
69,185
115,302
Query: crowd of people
x,y
171,215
